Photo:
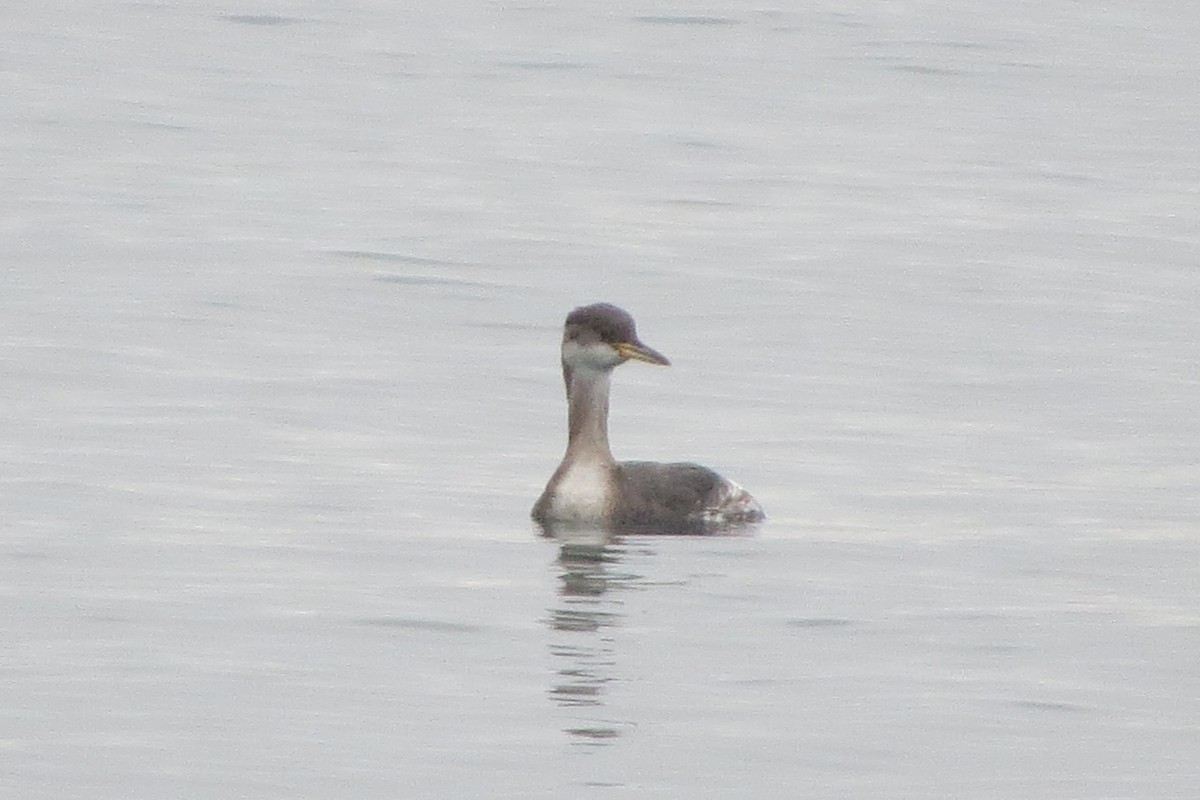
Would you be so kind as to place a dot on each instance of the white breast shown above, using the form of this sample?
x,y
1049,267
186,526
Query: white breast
x,y
584,493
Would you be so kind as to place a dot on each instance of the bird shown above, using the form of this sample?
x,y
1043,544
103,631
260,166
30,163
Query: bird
x,y
591,488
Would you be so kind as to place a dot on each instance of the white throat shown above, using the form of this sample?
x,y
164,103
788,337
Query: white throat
x,y
585,486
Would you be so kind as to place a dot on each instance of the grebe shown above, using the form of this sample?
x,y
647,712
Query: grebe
x,y
589,487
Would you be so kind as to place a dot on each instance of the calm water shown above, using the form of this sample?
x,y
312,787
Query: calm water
x,y
279,336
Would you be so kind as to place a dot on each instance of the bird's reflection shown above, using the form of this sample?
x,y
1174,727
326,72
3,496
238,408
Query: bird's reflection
x,y
593,570
583,623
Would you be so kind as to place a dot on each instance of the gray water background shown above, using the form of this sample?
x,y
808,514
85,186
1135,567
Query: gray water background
x,y
280,313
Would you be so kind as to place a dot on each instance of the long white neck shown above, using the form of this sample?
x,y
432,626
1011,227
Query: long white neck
x,y
587,415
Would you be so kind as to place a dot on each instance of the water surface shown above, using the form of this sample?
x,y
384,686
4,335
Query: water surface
x,y
279,335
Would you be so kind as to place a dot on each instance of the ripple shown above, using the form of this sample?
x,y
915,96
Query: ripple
x,y
687,20
261,19
410,623
819,622
1042,705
